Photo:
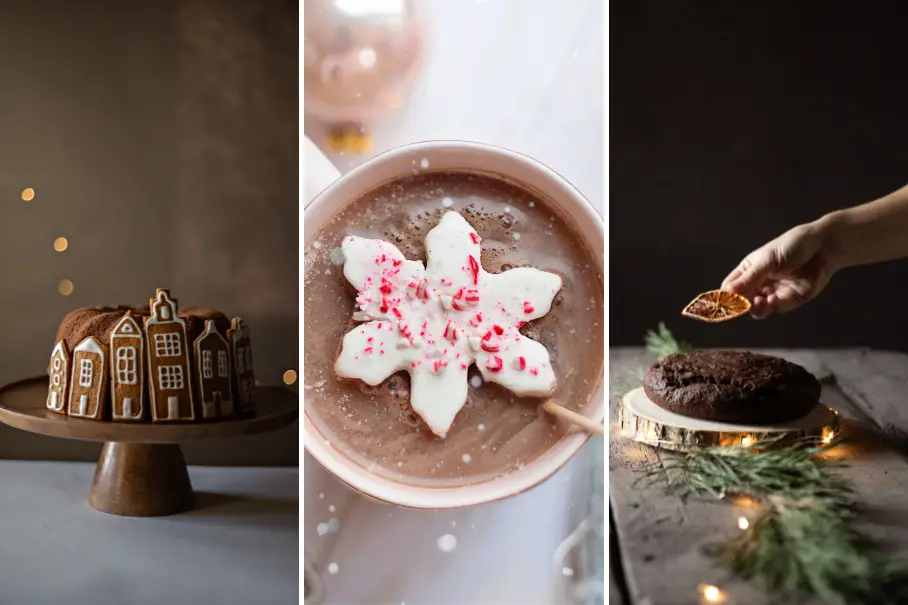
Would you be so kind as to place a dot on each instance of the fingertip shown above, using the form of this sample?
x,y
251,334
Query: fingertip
x,y
759,309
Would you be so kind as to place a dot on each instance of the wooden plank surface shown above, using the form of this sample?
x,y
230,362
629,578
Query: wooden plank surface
x,y
662,539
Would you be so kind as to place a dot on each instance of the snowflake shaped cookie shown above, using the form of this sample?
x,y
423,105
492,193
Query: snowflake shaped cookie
x,y
435,321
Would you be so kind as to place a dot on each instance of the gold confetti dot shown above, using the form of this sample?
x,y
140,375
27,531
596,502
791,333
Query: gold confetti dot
x,y
28,194
289,376
66,287
60,244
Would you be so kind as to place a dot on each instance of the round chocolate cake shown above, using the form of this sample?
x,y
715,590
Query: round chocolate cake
x,y
157,363
732,386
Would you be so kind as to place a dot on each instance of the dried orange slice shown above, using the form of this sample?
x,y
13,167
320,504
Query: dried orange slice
x,y
716,305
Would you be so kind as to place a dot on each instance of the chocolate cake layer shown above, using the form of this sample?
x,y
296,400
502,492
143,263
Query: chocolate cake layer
x,y
100,321
732,386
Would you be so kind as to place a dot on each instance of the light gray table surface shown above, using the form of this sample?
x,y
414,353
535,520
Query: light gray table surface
x,y
240,546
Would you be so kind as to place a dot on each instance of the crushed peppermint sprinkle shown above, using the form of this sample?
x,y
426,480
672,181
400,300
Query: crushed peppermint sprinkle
x,y
494,364
466,458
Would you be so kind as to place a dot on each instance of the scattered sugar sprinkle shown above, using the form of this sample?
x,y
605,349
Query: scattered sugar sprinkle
x,y
447,543
532,204
333,568
453,523
516,236
332,508
476,381
481,428
447,202
337,256
317,245
424,163
567,571
466,458
321,496
507,209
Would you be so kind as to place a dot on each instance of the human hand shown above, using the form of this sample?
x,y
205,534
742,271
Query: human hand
x,y
784,273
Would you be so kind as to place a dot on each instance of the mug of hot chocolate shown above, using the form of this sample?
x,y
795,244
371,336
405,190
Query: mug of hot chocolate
x,y
451,289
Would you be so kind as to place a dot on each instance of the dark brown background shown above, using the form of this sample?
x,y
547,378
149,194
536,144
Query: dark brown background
x,y
162,140
730,123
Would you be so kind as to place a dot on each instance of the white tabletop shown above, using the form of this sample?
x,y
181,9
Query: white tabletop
x,y
526,75
240,546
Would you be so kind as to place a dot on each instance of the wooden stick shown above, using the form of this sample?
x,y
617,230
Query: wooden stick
x,y
573,417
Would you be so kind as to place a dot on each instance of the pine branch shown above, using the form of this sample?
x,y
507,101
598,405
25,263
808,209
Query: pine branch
x,y
803,541
663,343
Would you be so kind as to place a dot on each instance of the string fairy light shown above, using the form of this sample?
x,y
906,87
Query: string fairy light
x,y
289,377
66,287
28,194
711,593
743,523
747,441
61,244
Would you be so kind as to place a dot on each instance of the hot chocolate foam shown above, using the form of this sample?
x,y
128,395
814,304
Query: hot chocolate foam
x,y
496,431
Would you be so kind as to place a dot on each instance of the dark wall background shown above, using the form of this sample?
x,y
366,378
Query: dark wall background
x,y
730,123
161,139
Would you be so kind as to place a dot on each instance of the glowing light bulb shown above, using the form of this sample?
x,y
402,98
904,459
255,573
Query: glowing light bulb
x,y
747,441
743,523
651,434
61,244
289,376
28,194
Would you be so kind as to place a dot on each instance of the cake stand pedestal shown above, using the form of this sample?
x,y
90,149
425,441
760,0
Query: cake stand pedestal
x,y
141,471
644,421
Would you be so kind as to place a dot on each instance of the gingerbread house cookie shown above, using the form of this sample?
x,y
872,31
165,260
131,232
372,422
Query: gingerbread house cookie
x,y
158,364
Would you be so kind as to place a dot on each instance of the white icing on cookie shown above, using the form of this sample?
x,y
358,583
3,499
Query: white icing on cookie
x,y
462,313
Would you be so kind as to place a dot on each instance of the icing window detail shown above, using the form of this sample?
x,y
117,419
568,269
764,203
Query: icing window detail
x,y
165,313
86,372
126,365
206,365
58,363
168,345
241,359
56,380
170,377
222,364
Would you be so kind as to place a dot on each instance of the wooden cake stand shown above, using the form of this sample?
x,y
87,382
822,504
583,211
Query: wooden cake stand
x,y
646,422
141,472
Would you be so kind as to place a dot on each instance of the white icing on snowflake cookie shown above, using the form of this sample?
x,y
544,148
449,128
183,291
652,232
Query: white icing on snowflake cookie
x,y
435,321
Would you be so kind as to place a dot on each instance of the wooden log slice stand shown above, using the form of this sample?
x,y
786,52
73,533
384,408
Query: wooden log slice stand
x,y
141,471
644,421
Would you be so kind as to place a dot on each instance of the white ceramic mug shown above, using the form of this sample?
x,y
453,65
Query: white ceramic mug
x,y
462,157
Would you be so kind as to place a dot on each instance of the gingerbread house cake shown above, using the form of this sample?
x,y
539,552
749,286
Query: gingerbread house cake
x,y
158,364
